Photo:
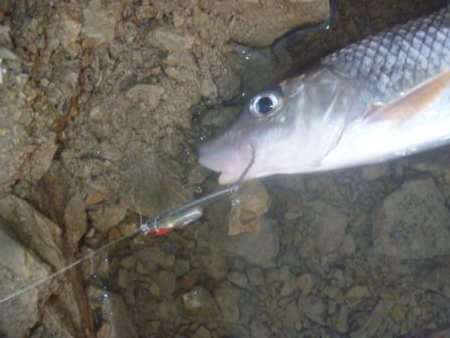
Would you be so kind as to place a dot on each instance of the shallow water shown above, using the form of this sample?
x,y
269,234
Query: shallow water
x,y
355,253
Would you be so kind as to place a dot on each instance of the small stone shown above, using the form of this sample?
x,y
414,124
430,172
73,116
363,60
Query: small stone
x,y
259,248
330,227
189,280
152,327
128,262
306,283
313,308
157,256
75,221
216,265
181,267
148,94
356,294
412,222
198,302
227,297
238,278
398,313
342,320
106,215
202,332
124,279
288,288
104,331
167,283
348,245
254,203
255,276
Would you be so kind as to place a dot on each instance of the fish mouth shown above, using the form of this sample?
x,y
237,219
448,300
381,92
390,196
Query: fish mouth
x,y
231,162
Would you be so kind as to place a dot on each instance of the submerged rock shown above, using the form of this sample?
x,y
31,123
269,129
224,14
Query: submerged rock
x,y
19,268
259,248
412,222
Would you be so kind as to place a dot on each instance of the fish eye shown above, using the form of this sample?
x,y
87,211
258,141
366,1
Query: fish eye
x,y
264,104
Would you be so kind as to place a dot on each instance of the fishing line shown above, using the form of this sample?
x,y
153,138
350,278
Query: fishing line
x,y
71,265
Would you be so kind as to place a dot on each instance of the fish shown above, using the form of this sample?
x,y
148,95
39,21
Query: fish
x,y
384,97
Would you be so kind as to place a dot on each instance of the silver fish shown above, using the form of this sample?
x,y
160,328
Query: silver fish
x,y
384,97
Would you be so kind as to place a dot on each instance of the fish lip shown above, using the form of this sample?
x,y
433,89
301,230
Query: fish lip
x,y
229,161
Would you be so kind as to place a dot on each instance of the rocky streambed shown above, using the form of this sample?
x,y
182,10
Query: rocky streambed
x,y
102,105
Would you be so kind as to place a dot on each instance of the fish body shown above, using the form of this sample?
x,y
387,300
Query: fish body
x,y
384,97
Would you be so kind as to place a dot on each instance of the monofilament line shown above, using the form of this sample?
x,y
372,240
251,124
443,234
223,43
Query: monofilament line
x,y
71,265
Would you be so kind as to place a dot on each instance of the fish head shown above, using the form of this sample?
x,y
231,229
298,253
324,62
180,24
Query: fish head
x,y
263,126
282,130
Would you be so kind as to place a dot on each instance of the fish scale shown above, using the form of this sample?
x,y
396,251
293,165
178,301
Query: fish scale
x,y
399,59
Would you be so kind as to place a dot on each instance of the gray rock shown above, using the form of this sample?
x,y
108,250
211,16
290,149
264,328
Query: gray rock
x,y
156,256
228,297
238,278
259,248
199,303
412,222
255,276
330,225
313,308
115,312
306,283
167,283
216,265
342,319
19,268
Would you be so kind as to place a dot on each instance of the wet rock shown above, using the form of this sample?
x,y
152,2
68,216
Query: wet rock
x,y
330,225
152,327
237,278
260,24
199,303
227,297
245,216
348,245
75,221
202,332
155,255
259,248
398,313
306,283
104,216
18,269
379,313
412,222
116,314
149,95
216,265
313,308
124,279
99,22
128,262
255,276
356,294
167,283
189,280
341,324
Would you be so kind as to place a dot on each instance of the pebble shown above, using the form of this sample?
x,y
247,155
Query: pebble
x,y
166,281
306,283
156,256
201,332
124,279
255,276
189,280
227,297
342,319
128,262
238,278
356,294
398,313
152,327
199,302
216,265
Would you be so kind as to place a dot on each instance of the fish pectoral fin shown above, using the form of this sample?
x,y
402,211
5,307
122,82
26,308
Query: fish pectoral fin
x,y
414,102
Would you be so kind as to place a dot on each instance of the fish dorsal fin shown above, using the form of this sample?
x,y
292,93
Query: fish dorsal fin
x,y
411,103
